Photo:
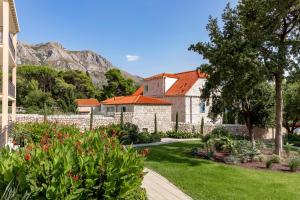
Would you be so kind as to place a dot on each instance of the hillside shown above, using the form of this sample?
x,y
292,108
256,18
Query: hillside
x,y
55,55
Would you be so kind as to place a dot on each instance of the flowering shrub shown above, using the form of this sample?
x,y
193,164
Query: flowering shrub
x,y
33,132
72,165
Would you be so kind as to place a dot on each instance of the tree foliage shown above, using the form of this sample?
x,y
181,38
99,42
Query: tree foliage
x,y
117,85
272,26
38,86
231,84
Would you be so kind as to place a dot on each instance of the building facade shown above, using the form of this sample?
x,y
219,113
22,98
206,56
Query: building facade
x,y
183,91
142,111
9,28
85,106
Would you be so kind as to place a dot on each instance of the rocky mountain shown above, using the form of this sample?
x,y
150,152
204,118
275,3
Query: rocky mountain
x,y
55,55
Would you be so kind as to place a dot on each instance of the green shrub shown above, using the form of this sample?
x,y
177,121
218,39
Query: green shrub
x,y
292,138
246,151
272,160
70,165
182,135
294,164
288,148
221,131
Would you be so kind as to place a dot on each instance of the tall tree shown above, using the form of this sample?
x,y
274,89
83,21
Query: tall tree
x,y
272,26
231,84
117,85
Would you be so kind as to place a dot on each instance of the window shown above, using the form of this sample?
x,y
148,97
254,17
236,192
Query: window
x,y
123,108
110,109
202,107
146,88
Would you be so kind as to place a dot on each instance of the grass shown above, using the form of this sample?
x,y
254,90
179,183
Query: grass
x,y
203,179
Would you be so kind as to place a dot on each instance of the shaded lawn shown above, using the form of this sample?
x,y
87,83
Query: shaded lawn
x,y
202,179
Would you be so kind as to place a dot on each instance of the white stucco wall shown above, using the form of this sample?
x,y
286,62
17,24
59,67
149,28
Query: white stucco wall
x,y
169,82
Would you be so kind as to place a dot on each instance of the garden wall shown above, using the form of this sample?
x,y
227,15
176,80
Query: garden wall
x,y
236,129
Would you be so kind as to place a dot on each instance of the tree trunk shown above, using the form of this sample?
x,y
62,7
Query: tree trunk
x,y
250,129
278,118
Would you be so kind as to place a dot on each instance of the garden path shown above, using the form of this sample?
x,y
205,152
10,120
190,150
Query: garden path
x,y
159,188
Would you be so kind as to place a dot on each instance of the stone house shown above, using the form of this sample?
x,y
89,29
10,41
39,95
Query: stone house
x,y
84,106
183,91
140,110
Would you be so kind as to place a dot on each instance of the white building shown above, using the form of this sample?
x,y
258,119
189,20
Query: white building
x,y
183,90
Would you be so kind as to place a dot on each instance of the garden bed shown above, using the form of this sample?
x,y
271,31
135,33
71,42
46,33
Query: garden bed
x,y
267,153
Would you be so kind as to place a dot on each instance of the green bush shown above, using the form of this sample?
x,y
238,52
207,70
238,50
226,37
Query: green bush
x,y
221,131
129,134
292,139
294,164
72,165
182,135
246,151
272,160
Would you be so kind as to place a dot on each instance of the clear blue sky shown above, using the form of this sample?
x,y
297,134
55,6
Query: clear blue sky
x,y
143,37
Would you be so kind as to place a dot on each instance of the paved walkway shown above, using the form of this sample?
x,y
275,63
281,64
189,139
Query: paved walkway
x,y
159,188
164,141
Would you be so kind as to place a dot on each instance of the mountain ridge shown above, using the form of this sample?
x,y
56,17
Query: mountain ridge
x,y
55,55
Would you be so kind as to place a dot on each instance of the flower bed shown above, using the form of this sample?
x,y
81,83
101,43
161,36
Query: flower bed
x,y
221,146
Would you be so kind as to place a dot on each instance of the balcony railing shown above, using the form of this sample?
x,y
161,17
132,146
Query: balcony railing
x,y
11,44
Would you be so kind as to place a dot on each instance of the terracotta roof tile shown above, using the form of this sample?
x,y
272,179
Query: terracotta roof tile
x,y
87,102
160,76
184,83
139,91
136,100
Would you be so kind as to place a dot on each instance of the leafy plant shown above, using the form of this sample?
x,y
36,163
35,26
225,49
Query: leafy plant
x,y
272,160
294,164
73,165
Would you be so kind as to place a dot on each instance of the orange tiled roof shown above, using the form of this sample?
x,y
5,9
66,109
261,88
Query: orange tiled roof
x,y
184,83
160,76
139,99
87,102
139,91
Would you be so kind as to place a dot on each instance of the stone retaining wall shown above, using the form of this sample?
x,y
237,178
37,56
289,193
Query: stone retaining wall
x,y
236,129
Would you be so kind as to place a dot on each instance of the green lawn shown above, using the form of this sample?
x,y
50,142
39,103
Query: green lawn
x,y
202,179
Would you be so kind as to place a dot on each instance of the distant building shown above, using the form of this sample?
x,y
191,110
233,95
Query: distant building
x,y
183,90
84,106
141,110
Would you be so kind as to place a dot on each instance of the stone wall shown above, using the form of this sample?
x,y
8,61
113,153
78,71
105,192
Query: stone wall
x,y
144,117
236,129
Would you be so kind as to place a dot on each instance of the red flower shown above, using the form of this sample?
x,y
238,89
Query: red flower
x,y
75,178
145,152
27,157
